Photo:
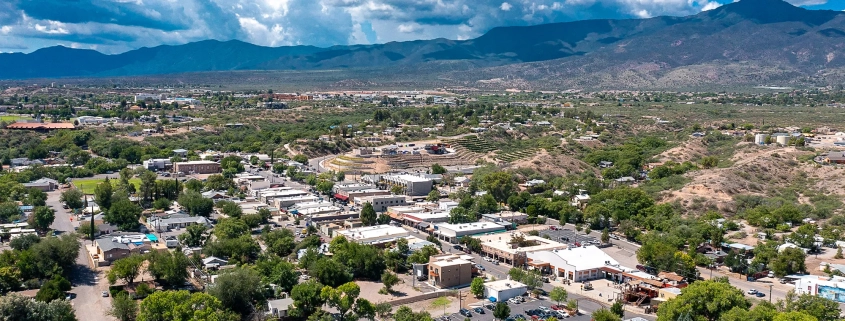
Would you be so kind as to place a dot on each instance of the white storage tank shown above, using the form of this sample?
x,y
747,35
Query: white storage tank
x,y
760,139
782,140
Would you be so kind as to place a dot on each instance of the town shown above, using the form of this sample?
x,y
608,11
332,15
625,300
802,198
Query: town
x,y
441,205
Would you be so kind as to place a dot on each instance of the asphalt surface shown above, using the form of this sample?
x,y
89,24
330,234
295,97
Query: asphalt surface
x,y
88,284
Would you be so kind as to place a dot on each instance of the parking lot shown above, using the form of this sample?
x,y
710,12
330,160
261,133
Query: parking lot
x,y
566,235
516,309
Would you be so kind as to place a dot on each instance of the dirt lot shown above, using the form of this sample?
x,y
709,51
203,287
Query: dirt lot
x,y
554,165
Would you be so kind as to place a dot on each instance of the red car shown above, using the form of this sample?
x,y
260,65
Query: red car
x,y
556,307
552,227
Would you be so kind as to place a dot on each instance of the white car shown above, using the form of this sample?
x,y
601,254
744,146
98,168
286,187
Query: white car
x,y
752,291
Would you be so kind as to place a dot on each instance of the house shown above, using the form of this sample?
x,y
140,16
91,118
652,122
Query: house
x,y
279,308
180,152
581,200
215,195
534,182
627,180
109,250
43,184
176,221
502,290
605,164
213,262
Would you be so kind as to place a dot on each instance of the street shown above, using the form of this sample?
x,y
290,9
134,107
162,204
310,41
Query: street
x,y
88,284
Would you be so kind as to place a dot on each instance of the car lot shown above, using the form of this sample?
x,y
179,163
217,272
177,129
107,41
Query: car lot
x,y
566,235
516,309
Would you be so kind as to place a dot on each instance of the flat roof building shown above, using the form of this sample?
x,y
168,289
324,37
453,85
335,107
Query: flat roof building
x,y
412,185
575,264
378,234
197,167
449,271
453,232
381,202
502,290
503,246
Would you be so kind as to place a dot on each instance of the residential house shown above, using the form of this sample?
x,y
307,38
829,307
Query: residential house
x,y
109,251
279,308
43,184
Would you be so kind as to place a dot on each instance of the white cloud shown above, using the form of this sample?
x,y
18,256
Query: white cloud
x,y
409,28
53,28
807,2
710,6
505,6
5,29
642,13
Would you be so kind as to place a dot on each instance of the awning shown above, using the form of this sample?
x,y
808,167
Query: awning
x,y
341,197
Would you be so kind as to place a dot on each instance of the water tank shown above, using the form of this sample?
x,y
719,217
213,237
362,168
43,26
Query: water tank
x,y
782,140
760,139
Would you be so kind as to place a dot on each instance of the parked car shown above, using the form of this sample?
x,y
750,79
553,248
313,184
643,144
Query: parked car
x,y
752,291
105,294
479,267
489,307
562,314
495,262
514,301
478,310
556,307
760,294
771,274
466,313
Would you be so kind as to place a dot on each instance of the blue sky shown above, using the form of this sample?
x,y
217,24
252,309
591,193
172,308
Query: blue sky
x,y
114,26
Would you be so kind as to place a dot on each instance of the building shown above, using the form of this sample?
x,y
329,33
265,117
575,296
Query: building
x,y
279,308
180,152
176,221
453,232
285,202
575,264
42,127
449,271
506,217
381,202
412,185
352,195
378,234
832,288
145,96
158,164
213,262
91,120
504,248
109,250
502,290
43,184
197,167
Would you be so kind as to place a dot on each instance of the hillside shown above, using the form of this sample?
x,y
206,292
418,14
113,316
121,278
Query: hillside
x,y
750,42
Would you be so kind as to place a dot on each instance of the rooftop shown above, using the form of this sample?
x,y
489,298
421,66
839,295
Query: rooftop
x,y
370,232
200,162
502,242
502,285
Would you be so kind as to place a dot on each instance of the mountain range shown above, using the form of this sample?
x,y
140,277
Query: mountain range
x,y
743,43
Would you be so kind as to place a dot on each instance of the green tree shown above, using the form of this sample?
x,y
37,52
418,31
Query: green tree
x,y
162,204
789,261
9,211
703,300
477,287
500,185
300,158
168,267
307,298
501,311
618,309
17,307
838,254
433,196
389,280
123,307
605,315
709,162
230,228
54,289
147,187
103,195
805,235
794,316
9,279
325,186
368,215
124,214
404,313
820,308
194,235
24,242
183,306
72,198
342,298
194,185
279,272
422,255
330,272
195,204
437,169
605,236
42,217
126,269
397,190
764,311
238,290
558,294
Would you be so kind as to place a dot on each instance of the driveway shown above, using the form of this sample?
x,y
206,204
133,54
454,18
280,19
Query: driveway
x,y
88,284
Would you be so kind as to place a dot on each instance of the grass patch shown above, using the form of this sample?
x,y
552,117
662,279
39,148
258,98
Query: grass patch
x,y
11,118
87,186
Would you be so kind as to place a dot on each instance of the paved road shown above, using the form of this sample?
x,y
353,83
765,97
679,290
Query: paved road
x,y
87,283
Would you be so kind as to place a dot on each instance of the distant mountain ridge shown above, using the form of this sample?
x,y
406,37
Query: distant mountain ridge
x,y
777,40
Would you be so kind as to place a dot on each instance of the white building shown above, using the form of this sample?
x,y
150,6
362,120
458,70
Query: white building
x,y
176,222
157,164
378,234
832,288
453,232
413,185
91,120
146,96
502,290
574,264
381,202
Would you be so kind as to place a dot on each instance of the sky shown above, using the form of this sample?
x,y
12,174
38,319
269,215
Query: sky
x,y
115,26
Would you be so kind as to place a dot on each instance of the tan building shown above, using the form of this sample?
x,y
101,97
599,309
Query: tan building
x,y
448,271
502,247
197,167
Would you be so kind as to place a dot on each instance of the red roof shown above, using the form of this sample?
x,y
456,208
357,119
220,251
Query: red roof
x,y
41,126
341,197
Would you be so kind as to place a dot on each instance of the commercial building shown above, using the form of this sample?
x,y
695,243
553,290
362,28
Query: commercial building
x,y
285,202
44,184
411,185
502,290
453,232
271,195
197,167
832,288
378,234
91,120
352,195
381,202
158,164
575,264
511,248
506,217
145,96
449,271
